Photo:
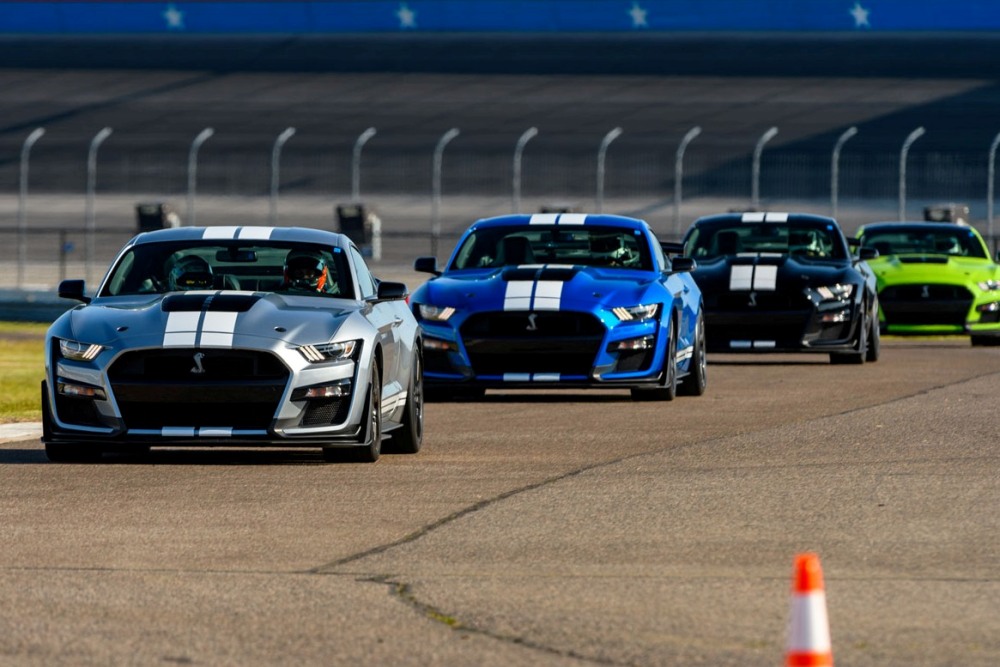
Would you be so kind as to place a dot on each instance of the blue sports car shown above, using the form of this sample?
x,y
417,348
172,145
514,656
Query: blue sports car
x,y
562,300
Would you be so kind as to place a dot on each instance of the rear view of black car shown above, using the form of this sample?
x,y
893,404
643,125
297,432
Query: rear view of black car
x,y
784,282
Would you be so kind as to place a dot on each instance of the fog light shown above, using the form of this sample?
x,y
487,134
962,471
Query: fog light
x,y
438,345
989,307
632,344
839,316
81,391
338,389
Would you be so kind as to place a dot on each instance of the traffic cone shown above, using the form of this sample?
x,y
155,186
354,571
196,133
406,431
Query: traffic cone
x,y
808,628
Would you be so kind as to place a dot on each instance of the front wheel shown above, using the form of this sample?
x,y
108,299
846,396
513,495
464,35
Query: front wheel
x,y
668,390
408,437
371,446
696,381
860,353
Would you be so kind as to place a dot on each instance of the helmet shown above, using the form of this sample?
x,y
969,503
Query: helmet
x,y
306,270
190,273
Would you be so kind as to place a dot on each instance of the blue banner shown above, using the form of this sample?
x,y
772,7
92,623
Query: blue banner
x,y
383,16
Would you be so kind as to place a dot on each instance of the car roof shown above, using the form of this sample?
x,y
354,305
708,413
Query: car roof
x,y
560,219
247,233
938,226
764,216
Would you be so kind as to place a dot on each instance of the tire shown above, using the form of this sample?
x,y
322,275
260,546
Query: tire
x,y
370,447
408,437
668,390
695,382
874,339
861,350
984,341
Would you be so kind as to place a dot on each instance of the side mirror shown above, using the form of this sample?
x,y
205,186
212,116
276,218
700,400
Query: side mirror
x,y
683,264
865,254
390,291
73,289
426,265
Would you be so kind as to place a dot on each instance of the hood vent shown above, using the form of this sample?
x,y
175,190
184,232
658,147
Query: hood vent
x,y
209,301
924,259
553,273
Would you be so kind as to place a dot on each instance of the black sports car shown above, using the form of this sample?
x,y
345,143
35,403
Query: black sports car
x,y
784,282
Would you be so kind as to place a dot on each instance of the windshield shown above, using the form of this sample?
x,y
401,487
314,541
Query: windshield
x,y
922,240
801,239
589,245
267,266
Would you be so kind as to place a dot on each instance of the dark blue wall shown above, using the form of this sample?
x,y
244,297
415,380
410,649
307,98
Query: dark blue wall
x,y
385,16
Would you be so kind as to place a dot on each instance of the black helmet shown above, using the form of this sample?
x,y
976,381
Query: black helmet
x,y
190,273
306,270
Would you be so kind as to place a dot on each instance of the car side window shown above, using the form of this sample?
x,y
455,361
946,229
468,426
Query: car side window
x,y
366,281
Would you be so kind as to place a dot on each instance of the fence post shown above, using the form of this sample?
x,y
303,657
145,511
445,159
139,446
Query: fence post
x,y
679,173
275,165
916,134
518,151
835,168
356,163
22,225
601,152
193,170
90,221
436,184
755,169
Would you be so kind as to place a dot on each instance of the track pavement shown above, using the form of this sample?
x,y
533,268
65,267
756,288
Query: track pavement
x,y
540,528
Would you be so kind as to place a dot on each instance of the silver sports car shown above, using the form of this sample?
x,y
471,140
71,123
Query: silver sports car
x,y
234,337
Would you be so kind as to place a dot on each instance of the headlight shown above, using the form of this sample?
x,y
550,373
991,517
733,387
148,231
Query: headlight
x,y
329,351
636,313
835,292
989,285
435,313
77,351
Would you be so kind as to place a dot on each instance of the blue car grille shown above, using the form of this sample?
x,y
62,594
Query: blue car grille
x,y
925,304
532,342
236,388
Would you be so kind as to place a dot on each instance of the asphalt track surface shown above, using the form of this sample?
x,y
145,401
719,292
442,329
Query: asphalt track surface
x,y
534,528
540,528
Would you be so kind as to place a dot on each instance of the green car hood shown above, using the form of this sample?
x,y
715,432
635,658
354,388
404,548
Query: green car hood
x,y
932,269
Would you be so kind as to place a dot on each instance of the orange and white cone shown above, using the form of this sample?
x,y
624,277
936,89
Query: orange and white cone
x,y
808,629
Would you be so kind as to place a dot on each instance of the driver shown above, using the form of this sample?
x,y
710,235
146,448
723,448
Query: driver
x,y
190,273
308,270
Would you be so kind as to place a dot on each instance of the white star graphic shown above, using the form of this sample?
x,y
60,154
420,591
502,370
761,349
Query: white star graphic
x,y
638,15
860,15
174,17
407,17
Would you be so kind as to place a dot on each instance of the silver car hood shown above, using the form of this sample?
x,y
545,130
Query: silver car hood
x,y
209,319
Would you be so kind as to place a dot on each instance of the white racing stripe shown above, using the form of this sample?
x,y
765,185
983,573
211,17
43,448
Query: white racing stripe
x,y
543,219
686,353
200,328
572,218
763,278
261,233
178,431
533,295
220,233
752,344
217,329
764,217
181,329
531,377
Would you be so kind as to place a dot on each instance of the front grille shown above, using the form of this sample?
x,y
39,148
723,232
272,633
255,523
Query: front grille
x,y
235,388
634,360
785,328
743,301
925,304
533,342
436,361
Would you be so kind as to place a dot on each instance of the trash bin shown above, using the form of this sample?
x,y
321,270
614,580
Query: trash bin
x,y
362,226
950,212
155,215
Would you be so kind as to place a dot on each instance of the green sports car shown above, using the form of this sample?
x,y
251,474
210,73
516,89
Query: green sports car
x,y
935,278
